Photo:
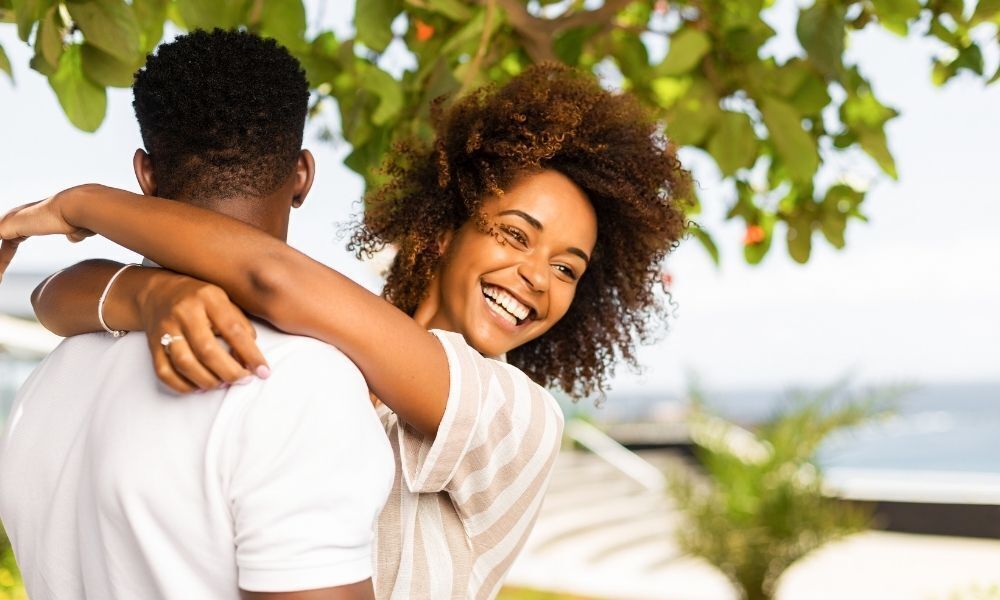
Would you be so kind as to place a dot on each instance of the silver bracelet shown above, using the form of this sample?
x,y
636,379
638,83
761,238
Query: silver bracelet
x,y
104,295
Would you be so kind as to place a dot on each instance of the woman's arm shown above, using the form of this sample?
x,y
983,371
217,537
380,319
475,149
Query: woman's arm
x,y
404,364
66,302
156,301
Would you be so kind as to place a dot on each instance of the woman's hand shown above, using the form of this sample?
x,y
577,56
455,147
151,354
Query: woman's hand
x,y
197,312
36,218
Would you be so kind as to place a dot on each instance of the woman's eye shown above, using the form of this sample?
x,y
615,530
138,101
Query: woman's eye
x,y
515,234
566,271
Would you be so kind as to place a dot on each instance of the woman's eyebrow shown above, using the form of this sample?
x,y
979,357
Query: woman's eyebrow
x,y
530,219
578,252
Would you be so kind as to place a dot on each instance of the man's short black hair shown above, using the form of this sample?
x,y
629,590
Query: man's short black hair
x,y
221,114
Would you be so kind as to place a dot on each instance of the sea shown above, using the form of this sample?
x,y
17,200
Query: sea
x,y
934,427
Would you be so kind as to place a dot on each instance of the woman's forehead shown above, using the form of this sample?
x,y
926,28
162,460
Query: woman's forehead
x,y
551,200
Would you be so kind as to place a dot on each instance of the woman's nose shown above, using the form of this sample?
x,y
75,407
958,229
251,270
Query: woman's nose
x,y
535,273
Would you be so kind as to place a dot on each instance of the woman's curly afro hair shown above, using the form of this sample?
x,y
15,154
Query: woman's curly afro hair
x,y
548,117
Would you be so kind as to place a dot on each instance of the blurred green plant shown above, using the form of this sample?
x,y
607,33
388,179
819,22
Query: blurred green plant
x,y
761,505
10,579
975,592
704,66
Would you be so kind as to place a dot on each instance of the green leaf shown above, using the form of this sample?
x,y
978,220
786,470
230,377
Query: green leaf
x,y
840,202
694,115
48,43
366,158
109,25
866,117
107,70
453,9
631,55
812,96
27,13
706,241
833,228
668,90
83,101
895,15
569,44
150,15
285,21
986,10
794,145
821,31
373,20
970,58
389,92
799,238
209,14
874,143
734,143
5,64
687,47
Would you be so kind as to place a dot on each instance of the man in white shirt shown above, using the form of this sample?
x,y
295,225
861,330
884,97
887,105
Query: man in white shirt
x,y
114,487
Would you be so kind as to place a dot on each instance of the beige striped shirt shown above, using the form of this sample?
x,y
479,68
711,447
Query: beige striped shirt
x,y
463,503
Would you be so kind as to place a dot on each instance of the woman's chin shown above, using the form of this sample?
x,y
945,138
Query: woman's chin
x,y
489,342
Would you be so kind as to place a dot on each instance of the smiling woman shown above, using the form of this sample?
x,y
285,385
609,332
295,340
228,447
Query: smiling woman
x,y
554,147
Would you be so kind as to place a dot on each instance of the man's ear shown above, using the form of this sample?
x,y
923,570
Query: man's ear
x,y
142,164
305,172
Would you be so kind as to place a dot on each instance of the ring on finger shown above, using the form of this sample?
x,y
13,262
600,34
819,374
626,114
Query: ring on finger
x,y
168,339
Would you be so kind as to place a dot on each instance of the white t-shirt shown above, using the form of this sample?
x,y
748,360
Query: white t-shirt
x,y
111,486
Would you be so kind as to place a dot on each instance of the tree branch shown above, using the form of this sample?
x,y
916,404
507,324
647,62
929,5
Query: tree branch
x,y
605,13
484,38
537,40
538,34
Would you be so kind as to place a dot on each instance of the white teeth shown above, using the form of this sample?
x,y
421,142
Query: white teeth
x,y
501,299
506,316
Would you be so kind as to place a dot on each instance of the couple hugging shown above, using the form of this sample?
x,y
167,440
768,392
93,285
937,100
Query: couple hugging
x,y
345,445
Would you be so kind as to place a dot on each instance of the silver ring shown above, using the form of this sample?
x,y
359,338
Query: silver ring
x,y
168,339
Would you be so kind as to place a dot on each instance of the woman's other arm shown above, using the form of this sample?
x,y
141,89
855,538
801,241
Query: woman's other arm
x,y
404,364
157,301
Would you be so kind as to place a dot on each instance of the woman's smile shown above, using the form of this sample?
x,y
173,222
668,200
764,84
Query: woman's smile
x,y
509,310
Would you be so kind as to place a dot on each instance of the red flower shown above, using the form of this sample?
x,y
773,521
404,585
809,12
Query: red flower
x,y
425,31
755,234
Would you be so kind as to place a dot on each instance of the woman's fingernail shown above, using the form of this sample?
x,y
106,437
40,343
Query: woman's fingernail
x,y
263,371
244,380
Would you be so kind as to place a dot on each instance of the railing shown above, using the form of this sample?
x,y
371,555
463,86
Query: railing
x,y
627,462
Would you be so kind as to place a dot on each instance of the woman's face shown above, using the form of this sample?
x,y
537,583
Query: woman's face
x,y
507,286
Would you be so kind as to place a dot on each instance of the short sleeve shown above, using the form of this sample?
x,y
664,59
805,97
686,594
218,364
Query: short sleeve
x,y
498,438
309,469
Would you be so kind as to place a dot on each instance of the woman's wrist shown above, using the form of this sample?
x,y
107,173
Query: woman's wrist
x,y
77,203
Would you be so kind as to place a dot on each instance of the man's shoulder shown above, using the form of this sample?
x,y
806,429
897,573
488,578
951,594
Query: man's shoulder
x,y
281,347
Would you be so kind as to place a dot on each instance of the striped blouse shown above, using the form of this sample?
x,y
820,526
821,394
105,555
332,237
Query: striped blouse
x,y
464,502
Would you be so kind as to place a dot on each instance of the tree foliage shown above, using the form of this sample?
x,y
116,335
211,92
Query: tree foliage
x,y
702,65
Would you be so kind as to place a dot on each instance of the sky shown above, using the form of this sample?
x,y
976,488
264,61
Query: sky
x,y
913,298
